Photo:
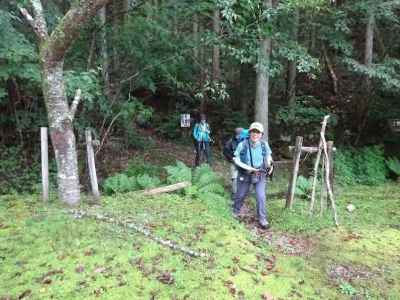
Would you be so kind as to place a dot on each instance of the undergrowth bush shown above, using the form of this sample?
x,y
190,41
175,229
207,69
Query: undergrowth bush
x,y
393,164
21,174
363,166
120,183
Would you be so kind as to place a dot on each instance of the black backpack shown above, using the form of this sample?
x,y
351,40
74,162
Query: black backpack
x,y
229,149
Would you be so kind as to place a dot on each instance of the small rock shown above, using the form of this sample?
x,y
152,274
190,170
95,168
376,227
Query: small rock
x,y
350,208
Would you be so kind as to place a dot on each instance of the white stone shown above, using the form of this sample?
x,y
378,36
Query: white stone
x,y
350,208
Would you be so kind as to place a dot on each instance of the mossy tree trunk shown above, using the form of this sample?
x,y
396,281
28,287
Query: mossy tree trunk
x,y
53,48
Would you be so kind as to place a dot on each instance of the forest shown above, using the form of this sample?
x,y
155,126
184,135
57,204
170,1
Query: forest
x,y
116,117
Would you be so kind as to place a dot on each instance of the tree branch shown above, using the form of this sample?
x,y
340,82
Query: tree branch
x,y
38,23
70,27
75,104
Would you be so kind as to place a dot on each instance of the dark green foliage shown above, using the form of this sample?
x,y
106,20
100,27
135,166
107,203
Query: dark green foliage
x,y
393,164
169,126
18,173
364,166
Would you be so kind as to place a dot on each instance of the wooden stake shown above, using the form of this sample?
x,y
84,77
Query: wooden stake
x,y
327,180
322,133
45,162
293,179
330,155
91,164
322,206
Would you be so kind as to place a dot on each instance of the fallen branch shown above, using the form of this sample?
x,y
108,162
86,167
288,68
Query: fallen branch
x,y
167,188
78,214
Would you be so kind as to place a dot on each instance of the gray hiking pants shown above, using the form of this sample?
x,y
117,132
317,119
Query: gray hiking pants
x,y
243,187
234,176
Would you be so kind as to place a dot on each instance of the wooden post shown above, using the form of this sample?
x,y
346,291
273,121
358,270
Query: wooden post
x,y
317,160
45,162
91,164
293,179
330,157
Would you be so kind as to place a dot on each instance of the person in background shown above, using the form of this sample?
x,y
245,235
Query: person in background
x,y
201,134
253,157
230,146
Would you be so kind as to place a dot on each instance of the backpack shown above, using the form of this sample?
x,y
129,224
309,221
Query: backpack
x,y
229,149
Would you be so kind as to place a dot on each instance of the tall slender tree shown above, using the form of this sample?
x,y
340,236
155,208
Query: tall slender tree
x,y
262,85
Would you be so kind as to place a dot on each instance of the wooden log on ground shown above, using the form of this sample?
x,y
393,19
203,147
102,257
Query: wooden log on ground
x,y
293,178
92,165
167,188
45,162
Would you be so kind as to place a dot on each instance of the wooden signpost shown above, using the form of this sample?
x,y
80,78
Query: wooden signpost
x,y
324,149
45,163
91,164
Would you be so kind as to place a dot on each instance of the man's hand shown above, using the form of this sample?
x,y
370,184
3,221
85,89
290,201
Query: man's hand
x,y
270,169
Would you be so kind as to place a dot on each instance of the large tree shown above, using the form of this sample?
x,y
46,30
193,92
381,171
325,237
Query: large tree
x,y
52,50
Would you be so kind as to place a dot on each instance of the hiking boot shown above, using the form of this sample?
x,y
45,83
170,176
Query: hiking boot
x,y
265,225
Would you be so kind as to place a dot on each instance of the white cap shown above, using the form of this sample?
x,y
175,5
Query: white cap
x,y
257,126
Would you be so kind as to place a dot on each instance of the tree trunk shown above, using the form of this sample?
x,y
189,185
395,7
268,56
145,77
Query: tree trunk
x,y
362,109
216,74
262,85
292,66
60,116
196,37
61,132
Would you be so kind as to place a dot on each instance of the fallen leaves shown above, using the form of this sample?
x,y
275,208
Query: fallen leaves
x,y
166,277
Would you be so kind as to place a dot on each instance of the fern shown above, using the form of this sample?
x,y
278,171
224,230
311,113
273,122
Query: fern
x,y
145,181
393,164
119,183
303,186
179,172
204,175
212,188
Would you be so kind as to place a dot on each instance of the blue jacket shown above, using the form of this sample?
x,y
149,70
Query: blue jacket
x,y
201,132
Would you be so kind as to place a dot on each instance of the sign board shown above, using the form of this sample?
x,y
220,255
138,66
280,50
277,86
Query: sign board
x,y
395,125
185,120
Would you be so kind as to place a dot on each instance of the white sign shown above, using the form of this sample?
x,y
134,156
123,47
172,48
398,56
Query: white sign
x,y
395,125
185,120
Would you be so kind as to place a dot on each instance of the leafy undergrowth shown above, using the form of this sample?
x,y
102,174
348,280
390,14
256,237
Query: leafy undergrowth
x,y
45,253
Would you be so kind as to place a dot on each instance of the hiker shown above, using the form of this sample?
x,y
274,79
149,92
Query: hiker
x,y
230,146
201,134
253,157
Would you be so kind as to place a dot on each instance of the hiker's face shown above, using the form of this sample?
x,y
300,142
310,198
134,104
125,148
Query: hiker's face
x,y
255,135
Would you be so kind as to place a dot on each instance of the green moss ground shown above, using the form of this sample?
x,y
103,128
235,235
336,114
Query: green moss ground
x,y
47,254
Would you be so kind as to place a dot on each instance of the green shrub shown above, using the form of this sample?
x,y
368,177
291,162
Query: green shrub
x,y
147,182
303,187
370,165
207,181
363,166
178,173
138,166
345,173
393,164
120,183
18,173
